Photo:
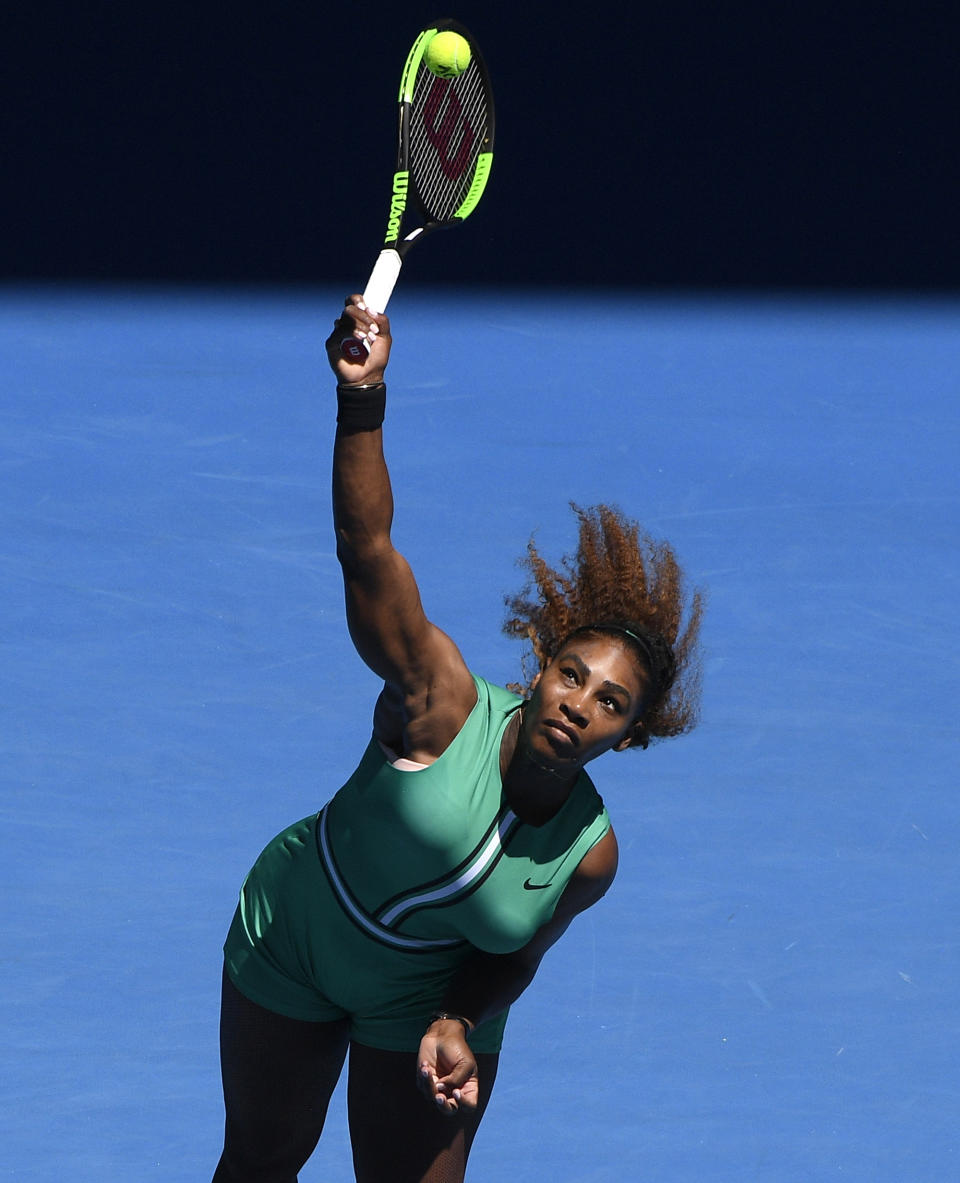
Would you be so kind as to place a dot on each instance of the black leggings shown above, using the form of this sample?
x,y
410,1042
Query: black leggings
x,y
278,1077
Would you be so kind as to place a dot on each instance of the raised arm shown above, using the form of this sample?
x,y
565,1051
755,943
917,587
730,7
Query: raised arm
x,y
428,689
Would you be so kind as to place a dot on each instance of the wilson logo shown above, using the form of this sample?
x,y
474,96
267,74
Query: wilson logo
x,y
398,203
448,129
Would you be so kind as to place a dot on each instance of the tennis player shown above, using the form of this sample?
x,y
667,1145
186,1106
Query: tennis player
x,y
401,921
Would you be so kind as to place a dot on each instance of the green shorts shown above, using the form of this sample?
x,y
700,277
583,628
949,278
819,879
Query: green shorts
x,y
293,950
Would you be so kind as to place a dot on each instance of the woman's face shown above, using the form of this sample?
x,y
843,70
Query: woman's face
x,y
585,703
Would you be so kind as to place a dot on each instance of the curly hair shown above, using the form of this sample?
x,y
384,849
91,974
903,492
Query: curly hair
x,y
621,582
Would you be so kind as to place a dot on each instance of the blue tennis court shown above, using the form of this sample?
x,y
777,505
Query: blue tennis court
x,y
769,992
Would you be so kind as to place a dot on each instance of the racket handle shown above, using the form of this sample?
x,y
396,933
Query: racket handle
x,y
376,295
382,279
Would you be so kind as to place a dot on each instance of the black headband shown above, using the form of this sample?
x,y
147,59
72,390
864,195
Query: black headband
x,y
657,668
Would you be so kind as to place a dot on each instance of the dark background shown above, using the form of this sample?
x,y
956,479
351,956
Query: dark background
x,y
686,145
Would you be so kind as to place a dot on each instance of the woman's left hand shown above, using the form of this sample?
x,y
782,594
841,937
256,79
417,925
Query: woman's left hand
x,y
447,1071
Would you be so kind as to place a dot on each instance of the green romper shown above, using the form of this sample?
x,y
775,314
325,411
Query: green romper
x,y
369,908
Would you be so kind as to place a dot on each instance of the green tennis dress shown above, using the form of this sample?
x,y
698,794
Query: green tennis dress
x,y
368,909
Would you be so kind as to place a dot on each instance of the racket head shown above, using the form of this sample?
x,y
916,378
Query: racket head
x,y
445,139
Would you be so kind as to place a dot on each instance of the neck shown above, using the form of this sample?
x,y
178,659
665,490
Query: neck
x,y
534,792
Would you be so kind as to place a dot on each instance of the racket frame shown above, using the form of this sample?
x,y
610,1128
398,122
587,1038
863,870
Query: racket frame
x,y
387,267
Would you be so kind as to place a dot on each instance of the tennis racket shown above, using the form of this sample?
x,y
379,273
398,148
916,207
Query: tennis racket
x,y
444,154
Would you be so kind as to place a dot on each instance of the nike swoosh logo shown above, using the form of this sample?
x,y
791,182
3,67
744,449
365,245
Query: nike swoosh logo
x,y
536,886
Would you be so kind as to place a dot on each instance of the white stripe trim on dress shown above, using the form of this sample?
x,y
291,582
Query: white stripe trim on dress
x,y
378,931
486,856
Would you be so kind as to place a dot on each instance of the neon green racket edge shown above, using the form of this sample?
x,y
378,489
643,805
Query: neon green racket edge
x,y
444,158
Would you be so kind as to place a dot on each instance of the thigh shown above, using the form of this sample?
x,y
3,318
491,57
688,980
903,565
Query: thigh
x,y
278,1076
396,1133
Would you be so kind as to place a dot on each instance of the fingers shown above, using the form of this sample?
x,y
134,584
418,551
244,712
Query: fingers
x,y
360,322
457,1088
449,1094
369,333
363,323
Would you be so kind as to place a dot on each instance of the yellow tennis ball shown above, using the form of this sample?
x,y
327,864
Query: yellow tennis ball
x,y
447,54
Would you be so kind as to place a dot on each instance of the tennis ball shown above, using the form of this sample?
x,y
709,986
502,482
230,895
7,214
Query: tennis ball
x,y
447,54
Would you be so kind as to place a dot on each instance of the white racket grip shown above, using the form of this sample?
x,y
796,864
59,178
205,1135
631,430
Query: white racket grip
x,y
382,279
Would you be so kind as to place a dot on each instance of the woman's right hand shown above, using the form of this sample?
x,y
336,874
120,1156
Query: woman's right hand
x,y
358,322
446,1069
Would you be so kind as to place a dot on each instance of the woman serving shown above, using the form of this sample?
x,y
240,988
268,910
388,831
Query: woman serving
x,y
402,920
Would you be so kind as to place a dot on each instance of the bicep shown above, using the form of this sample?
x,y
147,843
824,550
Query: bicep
x,y
394,637
385,615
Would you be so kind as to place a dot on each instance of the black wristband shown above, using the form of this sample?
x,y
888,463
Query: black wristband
x,y
443,1014
361,408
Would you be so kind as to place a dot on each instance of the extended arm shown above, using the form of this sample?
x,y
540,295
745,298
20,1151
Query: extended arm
x,y
488,983
428,689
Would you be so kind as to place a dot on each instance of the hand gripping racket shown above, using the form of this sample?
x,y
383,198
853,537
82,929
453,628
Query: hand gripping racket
x,y
444,154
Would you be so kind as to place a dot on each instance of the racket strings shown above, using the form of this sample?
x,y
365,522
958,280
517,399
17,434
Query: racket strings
x,y
449,126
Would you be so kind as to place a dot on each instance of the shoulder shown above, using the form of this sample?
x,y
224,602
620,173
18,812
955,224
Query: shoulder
x,y
421,719
591,879
463,710
589,883
497,698
596,871
492,708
